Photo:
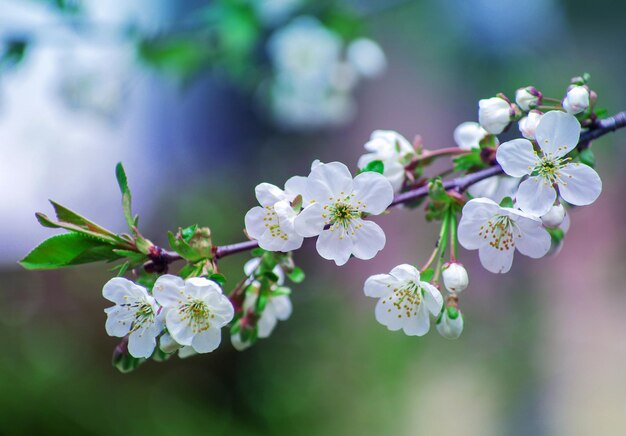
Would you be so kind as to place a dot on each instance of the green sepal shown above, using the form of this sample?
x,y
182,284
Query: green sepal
x,y
376,166
556,234
68,249
587,157
453,312
182,247
427,275
296,275
257,252
218,278
159,355
506,202
280,290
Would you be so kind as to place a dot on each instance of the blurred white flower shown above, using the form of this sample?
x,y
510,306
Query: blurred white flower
x,y
497,231
576,100
494,114
468,135
195,310
557,134
367,57
334,199
405,302
393,150
135,314
528,124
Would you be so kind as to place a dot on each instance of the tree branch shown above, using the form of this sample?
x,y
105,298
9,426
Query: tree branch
x,y
596,130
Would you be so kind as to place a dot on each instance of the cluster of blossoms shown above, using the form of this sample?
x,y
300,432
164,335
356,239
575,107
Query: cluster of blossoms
x,y
315,73
513,196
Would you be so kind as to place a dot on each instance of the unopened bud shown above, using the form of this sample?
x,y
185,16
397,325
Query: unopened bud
x,y
495,114
576,100
450,324
554,217
528,124
528,98
454,277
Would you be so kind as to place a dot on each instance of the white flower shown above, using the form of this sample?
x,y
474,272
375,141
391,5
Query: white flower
x,y
135,314
527,98
196,310
468,135
557,134
454,277
497,231
554,217
405,302
494,114
272,223
529,123
334,199
305,50
393,150
576,100
367,57
450,324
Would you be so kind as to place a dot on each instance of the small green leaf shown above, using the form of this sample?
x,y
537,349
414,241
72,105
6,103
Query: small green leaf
x,y
427,275
257,252
271,276
376,166
120,174
187,232
68,249
183,248
218,278
469,161
281,290
506,202
296,275
587,157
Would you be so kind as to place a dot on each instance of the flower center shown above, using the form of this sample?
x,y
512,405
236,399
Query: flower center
x,y
197,314
499,232
549,168
343,213
144,314
272,224
405,298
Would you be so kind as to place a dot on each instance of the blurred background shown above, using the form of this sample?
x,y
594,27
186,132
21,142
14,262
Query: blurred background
x,y
203,100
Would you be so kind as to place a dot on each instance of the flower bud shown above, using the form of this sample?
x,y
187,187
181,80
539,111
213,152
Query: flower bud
x,y
450,324
528,98
528,124
554,217
495,114
576,100
167,344
454,277
468,135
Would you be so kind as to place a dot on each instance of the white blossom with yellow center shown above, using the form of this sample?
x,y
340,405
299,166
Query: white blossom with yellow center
x,y
135,314
550,169
497,231
405,302
334,208
195,310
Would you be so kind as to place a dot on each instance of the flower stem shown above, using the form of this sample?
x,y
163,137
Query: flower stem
x,y
443,241
453,237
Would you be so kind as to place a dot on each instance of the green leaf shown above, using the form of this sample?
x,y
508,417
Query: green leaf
x,y
469,161
376,166
271,276
120,174
181,246
218,278
427,275
506,202
257,252
68,249
13,53
178,57
281,290
587,157
296,275
187,232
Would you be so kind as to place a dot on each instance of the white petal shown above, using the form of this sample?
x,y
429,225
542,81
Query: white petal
x,y
468,135
295,186
379,285
179,328
367,158
310,221
119,290
186,351
394,172
221,308
480,209
535,241
201,287
374,190
286,218
388,314
484,188
329,180
468,233
255,222
405,273
168,289
207,340
557,133
432,298
535,196
494,260
268,194
266,324
417,325
368,240
581,186
331,245
517,157
251,265
119,320
282,307
141,343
